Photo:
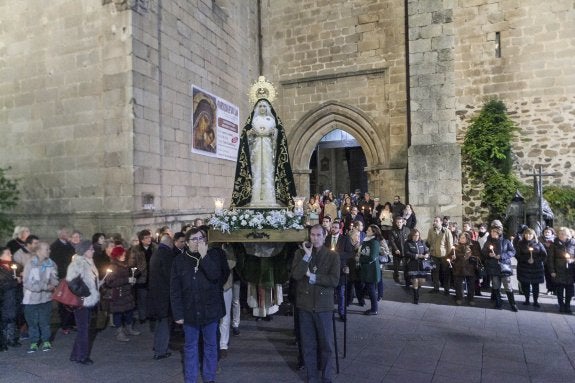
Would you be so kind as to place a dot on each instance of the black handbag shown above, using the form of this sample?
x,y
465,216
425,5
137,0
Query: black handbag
x,y
78,287
428,265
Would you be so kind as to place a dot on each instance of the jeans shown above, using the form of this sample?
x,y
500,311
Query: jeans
x,y
81,349
38,319
496,282
191,357
124,319
162,336
370,286
316,330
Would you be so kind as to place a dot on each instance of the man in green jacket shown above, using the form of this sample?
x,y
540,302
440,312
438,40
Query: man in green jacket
x,y
316,270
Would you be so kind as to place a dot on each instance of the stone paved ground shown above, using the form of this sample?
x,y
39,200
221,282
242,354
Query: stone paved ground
x,y
434,341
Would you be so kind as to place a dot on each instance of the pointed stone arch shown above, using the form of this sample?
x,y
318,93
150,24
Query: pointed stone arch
x,y
315,124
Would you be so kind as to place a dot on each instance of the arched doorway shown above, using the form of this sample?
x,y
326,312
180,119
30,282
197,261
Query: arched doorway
x,y
338,164
330,116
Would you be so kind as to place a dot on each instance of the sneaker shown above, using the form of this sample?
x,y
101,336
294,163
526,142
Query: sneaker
x,y
235,331
46,346
33,348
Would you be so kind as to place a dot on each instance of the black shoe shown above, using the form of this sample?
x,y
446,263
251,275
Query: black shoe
x,y
223,354
536,304
235,331
526,303
341,318
446,292
369,312
86,362
162,356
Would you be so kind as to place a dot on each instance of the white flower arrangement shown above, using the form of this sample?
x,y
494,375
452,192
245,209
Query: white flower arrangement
x,y
230,220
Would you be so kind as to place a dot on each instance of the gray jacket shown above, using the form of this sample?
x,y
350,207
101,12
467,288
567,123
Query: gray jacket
x,y
39,280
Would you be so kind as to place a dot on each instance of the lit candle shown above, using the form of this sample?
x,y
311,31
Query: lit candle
x,y
219,205
14,267
108,272
133,269
530,261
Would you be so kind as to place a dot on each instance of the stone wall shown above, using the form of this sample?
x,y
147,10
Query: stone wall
x,y
96,107
434,157
64,91
340,65
210,44
533,77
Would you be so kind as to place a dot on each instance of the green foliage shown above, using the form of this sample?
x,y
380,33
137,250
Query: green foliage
x,y
8,200
562,200
487,149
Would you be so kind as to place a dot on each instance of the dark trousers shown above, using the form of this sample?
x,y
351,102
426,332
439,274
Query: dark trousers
x,y
459,284
441,273
317,334
81,349
356,286
66,317
526,287
371,286
396,266
142,301
162,336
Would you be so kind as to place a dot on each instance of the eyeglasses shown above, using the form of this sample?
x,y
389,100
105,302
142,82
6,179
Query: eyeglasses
x,y
197,239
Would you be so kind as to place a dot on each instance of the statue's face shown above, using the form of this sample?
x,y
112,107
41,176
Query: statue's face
x,y
262,108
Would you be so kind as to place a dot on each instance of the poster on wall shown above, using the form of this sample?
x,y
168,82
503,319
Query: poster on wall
x,y
215,126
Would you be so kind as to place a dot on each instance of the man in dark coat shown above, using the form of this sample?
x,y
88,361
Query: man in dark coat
x,y
398,236
159,295
352,217
341,244
197,300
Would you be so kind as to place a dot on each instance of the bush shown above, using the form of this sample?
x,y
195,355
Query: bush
x,y
8,200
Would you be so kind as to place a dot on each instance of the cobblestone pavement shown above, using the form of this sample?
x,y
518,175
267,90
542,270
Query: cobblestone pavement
x,y
434,341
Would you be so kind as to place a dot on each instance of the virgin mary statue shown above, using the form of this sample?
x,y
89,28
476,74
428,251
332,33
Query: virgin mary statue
x,y
263,172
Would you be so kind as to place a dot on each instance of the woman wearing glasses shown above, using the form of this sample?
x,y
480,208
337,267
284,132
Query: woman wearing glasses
x,y
197,301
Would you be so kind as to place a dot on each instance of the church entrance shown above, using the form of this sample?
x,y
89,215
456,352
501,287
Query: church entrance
x,y
338,164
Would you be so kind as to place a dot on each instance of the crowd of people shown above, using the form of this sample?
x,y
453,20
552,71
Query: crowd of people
x,y
172,279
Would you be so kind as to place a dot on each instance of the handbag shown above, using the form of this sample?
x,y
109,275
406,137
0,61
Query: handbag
x,y
63,295
428,265
384,258
78,287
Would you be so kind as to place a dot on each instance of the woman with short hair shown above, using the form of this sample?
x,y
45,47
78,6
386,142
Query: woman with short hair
x,y
561,267
531,255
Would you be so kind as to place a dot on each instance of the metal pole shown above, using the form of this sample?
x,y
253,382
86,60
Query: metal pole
x,y
345,316
334,343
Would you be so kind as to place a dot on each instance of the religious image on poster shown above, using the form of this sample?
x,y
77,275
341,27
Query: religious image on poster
x,y
215,126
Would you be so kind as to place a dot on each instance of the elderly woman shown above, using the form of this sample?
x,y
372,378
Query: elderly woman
x,y
547,240
39,280
18,240
415,252
561,267
465,262
369,260
496,256
531,255
82,266
313,211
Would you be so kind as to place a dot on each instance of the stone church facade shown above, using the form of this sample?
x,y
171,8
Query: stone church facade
x,y
96,103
